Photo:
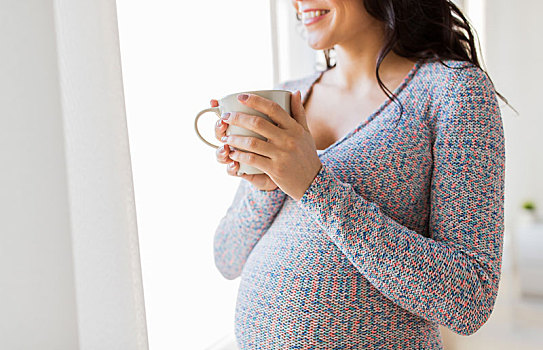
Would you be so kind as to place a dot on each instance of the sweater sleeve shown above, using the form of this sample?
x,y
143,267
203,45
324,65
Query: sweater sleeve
x,y
247,219
452,278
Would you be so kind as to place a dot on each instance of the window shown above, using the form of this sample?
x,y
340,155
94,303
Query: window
x,y
175,59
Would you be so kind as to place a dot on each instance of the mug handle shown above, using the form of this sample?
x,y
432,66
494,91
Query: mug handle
x,y
212,109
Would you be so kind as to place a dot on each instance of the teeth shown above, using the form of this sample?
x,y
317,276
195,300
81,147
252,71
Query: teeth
x,y
313,14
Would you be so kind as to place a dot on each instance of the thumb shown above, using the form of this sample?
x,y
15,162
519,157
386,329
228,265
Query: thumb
x,y
297,108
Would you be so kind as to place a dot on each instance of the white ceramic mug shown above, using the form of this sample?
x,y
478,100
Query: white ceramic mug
x,y
231,104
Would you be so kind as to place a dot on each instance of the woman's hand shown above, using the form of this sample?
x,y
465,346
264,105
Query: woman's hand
x,y
289,157
260,181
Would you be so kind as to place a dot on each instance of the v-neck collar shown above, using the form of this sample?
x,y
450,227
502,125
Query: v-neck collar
x,y
317,77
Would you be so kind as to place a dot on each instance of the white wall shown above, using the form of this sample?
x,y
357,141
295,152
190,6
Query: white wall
x,y
69,260
514,57
37,287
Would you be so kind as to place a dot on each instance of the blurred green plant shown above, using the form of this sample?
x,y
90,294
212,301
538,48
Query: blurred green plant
x,y
528,205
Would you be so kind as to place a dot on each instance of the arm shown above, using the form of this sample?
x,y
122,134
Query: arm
x,y
248,218
451,279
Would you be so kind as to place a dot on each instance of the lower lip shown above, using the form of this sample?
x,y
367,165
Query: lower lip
x,y
314,19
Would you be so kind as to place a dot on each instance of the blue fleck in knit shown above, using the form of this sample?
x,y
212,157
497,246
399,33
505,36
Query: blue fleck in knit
x,y
400,231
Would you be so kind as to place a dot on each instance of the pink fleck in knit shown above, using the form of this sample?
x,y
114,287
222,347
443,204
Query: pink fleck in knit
x,y
399,232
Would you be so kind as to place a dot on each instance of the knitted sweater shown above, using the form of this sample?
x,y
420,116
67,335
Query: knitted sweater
x,y
400,231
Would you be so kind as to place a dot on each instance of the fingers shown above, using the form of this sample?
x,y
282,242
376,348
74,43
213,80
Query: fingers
x,y
222,154
220,126
254,123
261,181
232,168
223,151
250,144
297,109
252,159
268,107
220,129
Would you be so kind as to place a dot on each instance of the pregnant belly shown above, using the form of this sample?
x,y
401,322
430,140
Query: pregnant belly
x,y
298,289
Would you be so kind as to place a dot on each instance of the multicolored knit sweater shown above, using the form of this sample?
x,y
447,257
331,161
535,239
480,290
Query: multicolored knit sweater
x,y
399,232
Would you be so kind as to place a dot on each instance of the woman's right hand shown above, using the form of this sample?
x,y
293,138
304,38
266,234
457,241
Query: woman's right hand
x,y
261,181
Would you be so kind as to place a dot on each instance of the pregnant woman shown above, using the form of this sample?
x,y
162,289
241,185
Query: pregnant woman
x,y
380,213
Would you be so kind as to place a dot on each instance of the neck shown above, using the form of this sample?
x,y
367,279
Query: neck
x,y
356,62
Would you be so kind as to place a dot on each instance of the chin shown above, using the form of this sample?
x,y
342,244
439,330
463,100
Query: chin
x,y
318,43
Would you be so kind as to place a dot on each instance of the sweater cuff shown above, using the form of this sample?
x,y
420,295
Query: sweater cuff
x,y
321,190
277,193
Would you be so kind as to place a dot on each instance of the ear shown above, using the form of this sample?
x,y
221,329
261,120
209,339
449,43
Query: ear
x,y
295,4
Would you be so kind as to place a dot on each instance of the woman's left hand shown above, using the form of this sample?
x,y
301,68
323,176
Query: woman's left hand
x,y
289,157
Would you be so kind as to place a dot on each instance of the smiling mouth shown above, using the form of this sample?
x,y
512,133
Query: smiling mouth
x,y
312,16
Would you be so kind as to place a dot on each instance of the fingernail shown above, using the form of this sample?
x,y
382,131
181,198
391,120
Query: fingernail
x,y
222,150
232,165
243,97
219,123
225,116
224,138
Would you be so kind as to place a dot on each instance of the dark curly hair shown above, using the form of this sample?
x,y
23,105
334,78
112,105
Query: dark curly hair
x,y
422,29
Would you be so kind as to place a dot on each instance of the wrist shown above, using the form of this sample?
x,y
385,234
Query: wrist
x,y
309,183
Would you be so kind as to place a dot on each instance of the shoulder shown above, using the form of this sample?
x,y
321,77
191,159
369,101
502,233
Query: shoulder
x,y
298,84
457,93
453,85
451,77
303,84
